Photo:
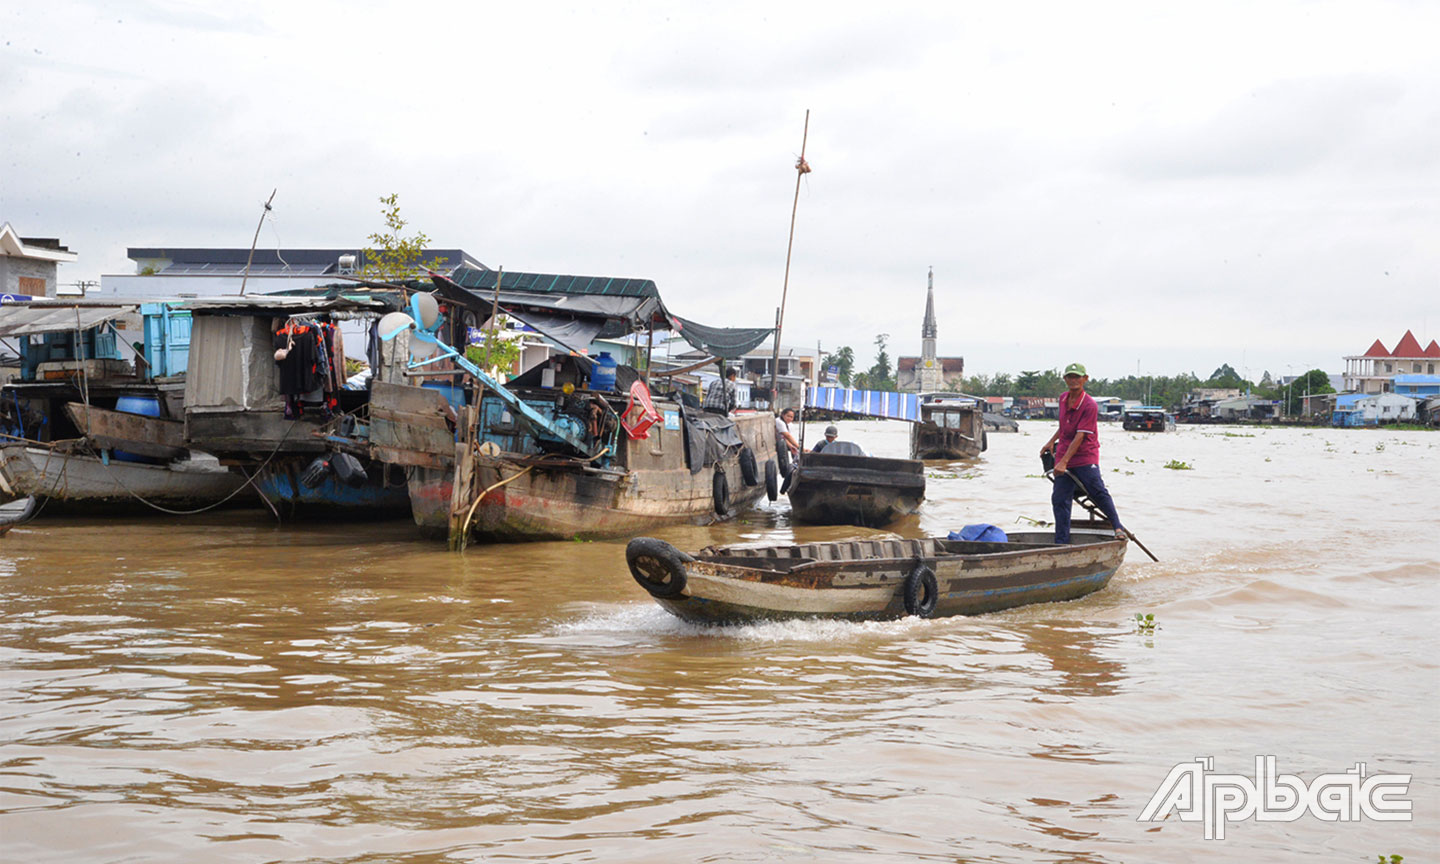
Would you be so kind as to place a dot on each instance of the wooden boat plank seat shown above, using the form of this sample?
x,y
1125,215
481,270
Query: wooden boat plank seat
x,y
785,558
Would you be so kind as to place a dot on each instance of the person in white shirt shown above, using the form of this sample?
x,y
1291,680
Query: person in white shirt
x,y
784,434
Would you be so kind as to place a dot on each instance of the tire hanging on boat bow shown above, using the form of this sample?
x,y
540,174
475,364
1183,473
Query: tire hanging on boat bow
x,y
657,566
922,593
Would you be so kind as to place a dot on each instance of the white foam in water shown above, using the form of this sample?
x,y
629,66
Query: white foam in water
x,y
647,621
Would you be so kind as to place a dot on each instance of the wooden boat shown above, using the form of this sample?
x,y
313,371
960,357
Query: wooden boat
x,y
85,431
842,486
235,407
1148,419
532,494
948,430
17,512
999,423
78,482
868,578
573,447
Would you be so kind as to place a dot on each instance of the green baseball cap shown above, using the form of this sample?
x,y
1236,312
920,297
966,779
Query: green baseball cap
x,y
1076,369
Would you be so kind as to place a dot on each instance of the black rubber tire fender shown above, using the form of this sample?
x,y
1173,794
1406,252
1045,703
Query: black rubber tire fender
x,y
772,480
749,471
789,480
782,455
984,441
720,492
922,593
657,566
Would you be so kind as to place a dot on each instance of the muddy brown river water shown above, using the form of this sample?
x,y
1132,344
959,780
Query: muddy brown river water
x,y
221,689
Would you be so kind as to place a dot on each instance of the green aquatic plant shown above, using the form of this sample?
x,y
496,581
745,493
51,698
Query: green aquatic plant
x,y
1393,859
1145,623
1177,465
1380,448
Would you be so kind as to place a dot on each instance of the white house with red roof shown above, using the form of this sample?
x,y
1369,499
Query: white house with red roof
x,y
1375,370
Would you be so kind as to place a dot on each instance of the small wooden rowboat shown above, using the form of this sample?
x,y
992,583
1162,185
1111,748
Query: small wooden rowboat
x,y
868,578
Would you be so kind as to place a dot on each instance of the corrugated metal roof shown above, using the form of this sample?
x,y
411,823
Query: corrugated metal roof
x,y
550,283
28,319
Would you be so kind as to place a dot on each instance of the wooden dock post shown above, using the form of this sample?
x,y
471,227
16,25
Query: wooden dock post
x,y
462,487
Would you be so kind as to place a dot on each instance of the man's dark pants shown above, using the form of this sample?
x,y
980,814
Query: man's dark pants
x,y
1061,496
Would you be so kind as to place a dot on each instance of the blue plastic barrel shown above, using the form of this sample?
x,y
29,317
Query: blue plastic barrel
x,y
147,406
602,377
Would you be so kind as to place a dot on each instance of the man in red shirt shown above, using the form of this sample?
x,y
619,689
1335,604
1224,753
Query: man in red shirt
x,y
1076,445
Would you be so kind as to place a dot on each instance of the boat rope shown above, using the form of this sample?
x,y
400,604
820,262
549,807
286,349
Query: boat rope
x,y
469,515
465,528
249,481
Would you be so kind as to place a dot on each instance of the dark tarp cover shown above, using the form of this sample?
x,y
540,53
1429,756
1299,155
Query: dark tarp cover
x,y
575,310
708,437
726,342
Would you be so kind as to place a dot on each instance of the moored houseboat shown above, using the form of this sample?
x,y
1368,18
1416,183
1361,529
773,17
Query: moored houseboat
x,y
89,426
266,393
1148,418
949,429
569,448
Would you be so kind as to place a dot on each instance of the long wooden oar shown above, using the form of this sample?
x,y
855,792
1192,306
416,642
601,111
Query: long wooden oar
x,y
1093,510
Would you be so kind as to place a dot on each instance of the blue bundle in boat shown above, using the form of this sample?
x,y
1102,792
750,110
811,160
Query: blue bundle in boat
x,y
983,532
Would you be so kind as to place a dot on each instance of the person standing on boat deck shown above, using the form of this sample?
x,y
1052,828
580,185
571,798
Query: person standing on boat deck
x,y
720,396
831,433
1076,445
784,435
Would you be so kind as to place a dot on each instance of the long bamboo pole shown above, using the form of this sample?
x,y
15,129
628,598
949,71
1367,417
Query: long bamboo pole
x,y
801,169
258,226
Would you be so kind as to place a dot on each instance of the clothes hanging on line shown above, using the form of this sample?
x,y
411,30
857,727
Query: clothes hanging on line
x,y
311,361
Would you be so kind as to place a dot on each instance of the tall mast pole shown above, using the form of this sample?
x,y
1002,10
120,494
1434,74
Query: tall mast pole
x,y
801,169
258,226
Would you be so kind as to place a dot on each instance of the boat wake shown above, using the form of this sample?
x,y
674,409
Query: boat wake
x,y
640,623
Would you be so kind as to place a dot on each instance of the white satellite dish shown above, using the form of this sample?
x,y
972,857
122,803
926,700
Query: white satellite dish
x,y
426,309
393,323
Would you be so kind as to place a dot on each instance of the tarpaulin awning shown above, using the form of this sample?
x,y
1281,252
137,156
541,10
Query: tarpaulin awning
x,y
575,310
575,334
726,342
875,403
28,319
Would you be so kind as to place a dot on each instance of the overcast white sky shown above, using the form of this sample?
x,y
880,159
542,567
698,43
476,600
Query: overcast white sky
x,y
1164,185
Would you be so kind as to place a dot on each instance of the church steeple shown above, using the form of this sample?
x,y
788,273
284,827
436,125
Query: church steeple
x,y
928,330
930,377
